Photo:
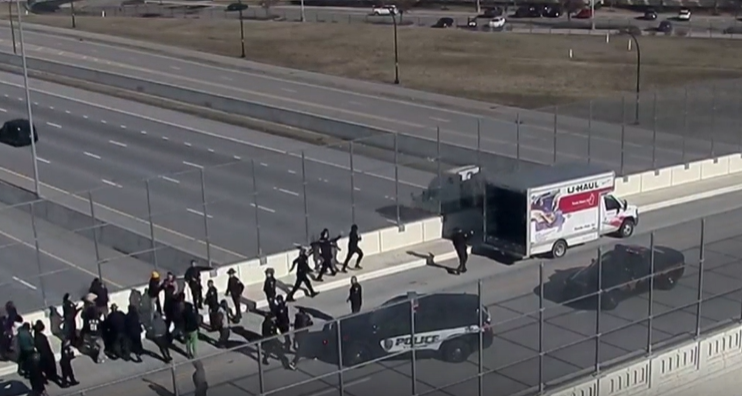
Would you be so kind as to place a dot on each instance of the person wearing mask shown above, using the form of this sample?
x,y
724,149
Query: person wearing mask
x,y
281,312
269,287
199,379
220,321
46,355
133,332
25,349
353,240
191,324
212,296
153,291
158,333
303,270
69,318
65,363
234,290
92,333
460,240
302,322
270,344
326,246
193,279
355,295
36,375
116,326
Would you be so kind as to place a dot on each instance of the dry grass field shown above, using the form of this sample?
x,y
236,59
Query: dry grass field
x,y
525,70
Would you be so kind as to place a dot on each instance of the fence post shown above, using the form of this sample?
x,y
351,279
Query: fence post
x,y
713,120
685,121
556,115
151,226
440,172
174,374
304,190
95,235
701,258
590,133
352,183
650,308
541,314
481,339
257,206
623,130
38,255
517,138
413,345
598,309
261,369
654,131
341,379
479,143
205,215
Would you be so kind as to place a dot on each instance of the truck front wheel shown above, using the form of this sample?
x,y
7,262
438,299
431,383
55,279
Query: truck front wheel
x,y
627,228
559,249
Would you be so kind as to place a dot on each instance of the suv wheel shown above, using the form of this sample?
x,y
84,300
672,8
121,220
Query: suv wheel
x,y
455,351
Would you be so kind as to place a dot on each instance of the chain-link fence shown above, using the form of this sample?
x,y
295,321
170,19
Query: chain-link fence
x,y
541,325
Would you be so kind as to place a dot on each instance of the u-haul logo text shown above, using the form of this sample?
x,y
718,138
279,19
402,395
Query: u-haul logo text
x,y
583,187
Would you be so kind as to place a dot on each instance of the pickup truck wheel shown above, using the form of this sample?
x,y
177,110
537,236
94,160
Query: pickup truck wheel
x,y
559,249
627,228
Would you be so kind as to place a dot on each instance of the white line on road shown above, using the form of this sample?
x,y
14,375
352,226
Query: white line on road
x,y
237,157
110,183
192,164
46,161
67,111
288,90
85,117
6,95
261,207
211,150
187,144
332,389
143,132
20,99
194,211
51,107
356,188
175,67
292,172
165,138
123,126
289,192
354,103
92,155
439,119
264,164
103,121
34,103
3,111
51,124
226,78
24,283
170,179
115,143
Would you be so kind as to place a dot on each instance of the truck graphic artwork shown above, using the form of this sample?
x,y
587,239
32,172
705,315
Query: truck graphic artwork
x,y
545,212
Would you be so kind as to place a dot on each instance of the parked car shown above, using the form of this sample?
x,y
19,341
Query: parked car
x,y
444,23
552,12
684,14
384,10
237,7
650,15
665,27
584,13
528,12
17,133
491,12
497,23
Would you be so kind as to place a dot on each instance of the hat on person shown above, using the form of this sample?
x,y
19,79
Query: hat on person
x,y
270,271
231,271
155,275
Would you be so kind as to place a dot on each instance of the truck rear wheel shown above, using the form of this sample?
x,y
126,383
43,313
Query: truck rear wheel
x,y
559,249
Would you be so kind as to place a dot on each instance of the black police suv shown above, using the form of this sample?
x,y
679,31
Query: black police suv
x,y
17,133
446,326
626,271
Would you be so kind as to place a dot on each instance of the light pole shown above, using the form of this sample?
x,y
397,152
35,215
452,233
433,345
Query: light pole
x,y
242,31
303,16
592,14
12,29
396,48
72,13
638,74
28,103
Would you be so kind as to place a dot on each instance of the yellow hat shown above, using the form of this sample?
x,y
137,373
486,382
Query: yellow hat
x,y
155,274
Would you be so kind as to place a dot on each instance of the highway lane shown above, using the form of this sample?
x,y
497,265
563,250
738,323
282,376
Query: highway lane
x,y
535,134
510,292
84,147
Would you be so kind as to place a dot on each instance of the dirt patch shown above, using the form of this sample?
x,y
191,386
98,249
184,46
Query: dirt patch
x,y
512,69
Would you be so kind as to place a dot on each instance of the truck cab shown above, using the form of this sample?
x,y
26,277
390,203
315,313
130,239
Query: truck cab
x,y
618,217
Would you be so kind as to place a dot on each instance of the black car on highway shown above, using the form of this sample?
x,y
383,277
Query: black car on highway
x,y
626,272
17,133
446,326
650,15
529,12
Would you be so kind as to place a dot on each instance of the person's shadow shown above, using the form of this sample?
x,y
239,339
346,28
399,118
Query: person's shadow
x,y
13,388
316,313
157,388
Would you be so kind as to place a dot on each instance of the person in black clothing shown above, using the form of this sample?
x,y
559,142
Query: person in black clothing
x,y
9,321
271,345
325,244
116,333
353,240
234,290
281,312
355,295
170,289
178,314
212,296
160,336
153,290
193,279
65,363
269,287
460,240
302,321
36,375
133,332
303,270
92,333
69,316
46,355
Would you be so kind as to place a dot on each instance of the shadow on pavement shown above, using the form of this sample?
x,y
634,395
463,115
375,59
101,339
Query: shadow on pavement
x,y
13,388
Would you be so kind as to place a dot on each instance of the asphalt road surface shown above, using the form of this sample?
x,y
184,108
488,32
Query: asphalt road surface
x,y
93,141
511,293
576,139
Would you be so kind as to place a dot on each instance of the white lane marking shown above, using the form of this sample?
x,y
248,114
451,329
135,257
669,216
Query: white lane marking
x,y
34,103
264,164
261,207
226,78
92,155
192,164
24,283
3,111
354,103
110,183
237,157
143,132
194,211
115,143
288,90
323,180
21,100
439,119
175,67
51,107
292,172
46,161
334,390
211,150
170,179
356,188
123,126
51,124
187,144
289,192
103,121
67,111
85,117
6,95
165,138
